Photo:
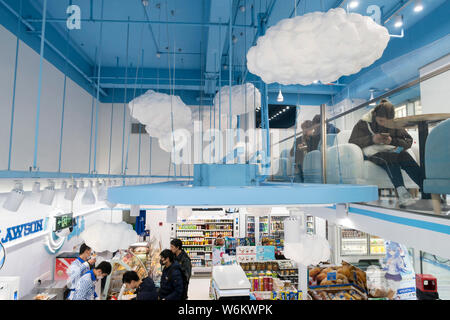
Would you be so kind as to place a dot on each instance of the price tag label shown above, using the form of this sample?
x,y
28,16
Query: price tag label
x,y
331,276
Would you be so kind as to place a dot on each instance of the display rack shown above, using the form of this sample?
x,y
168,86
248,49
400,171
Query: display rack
x,y
264,224
198,238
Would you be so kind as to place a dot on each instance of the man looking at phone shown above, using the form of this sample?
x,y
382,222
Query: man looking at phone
x,y
387,147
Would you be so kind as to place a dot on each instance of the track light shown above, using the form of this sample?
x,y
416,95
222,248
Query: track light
x,y
418,6
158,55
398,22
15,197
134,210
280,97
48,194
71,192
88,197
102,192
36,187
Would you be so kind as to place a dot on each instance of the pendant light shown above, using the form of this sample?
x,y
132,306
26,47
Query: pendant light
x,y
418,6
371,98
71,192
398,22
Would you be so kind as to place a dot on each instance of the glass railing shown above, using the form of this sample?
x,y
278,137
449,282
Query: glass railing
x,y
401,146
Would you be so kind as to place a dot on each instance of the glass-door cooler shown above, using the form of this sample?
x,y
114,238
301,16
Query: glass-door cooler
x,y
250,226
353,243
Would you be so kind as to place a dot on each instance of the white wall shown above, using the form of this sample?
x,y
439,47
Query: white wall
x,y
77,113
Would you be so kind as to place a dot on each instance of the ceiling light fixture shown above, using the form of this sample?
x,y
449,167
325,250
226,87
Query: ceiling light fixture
x,y
280,97
353,4
418,6
36,187
48,194
71,192
398,22
88,197
371,98
15,197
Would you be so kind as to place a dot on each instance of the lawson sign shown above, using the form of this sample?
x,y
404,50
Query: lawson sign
x,y
24,230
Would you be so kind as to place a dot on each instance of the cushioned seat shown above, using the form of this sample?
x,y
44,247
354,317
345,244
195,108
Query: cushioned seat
x,y
437,162
346,164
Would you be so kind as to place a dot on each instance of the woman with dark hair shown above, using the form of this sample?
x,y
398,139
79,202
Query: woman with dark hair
x,y
387,147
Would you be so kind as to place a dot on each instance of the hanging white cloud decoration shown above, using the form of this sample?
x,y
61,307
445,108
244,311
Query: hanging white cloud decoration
x,y
241,95
103,236
311,250
153,109
301,247
317,46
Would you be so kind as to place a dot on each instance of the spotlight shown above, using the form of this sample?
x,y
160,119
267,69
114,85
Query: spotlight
x,y
15,197
280,97
48,194
398,22
158,55
287,107
371,98
418,6
242,8
36,187
134,211
88,197
71,192
234,39
353,4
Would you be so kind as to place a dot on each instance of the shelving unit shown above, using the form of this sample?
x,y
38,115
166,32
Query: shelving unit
x,y
310,225
250,226
198,237
264,229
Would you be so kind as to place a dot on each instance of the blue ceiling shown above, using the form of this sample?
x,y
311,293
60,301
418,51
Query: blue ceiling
x,y
197,31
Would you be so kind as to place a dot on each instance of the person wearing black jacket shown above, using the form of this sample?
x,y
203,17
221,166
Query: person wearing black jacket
x,y
176,246
171,286
145,288
387,148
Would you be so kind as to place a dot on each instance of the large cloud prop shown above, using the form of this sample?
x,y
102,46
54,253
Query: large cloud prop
x,y
153,109
317,46
310,250
240,94
103,236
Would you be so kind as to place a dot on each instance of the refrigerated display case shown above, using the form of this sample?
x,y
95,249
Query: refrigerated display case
x,y
250,226
358,243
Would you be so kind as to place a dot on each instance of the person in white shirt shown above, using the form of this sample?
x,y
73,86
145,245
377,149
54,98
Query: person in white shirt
x,y
85,289
78,268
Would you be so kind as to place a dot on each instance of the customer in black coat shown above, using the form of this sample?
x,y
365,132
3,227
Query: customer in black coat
x,y
145,288
171,286
176,246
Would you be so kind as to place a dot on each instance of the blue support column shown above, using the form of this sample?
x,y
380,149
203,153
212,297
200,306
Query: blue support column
x,y
11,128
38,106
125,95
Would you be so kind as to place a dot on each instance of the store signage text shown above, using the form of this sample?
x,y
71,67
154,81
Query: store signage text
x,y
23,230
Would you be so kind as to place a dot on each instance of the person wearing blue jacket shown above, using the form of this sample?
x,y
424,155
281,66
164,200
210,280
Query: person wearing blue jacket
x,y
171,286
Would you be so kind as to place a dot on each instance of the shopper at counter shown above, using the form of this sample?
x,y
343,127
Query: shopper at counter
x,y
145,288
85,289
171,286
387,148
176,246
79,267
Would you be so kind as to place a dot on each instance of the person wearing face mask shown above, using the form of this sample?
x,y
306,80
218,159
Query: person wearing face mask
x,y
145,288
171,286
85,289
79,267
387,147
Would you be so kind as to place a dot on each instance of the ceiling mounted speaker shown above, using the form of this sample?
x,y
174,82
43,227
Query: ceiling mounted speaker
x,y
15,198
